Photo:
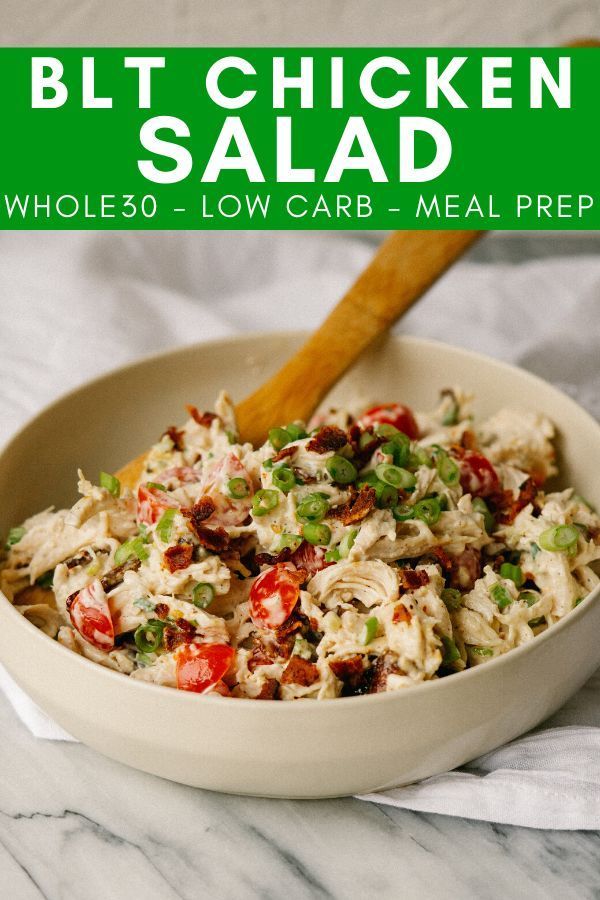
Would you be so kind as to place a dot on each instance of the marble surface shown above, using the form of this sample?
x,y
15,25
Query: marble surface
x,y
77,826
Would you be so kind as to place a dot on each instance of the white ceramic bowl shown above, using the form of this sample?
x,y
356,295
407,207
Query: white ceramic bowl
x,y
303,749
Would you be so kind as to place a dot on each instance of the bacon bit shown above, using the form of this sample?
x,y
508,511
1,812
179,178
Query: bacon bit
x,y
116,575
269,690
401,614
469,440
443,558
161,610
201,418
283,454
258,657
176,436
357,508
466,569
363,454
330,437
271,559
350,670
411,579
173,637
290,627
201,510
306,557
178,557
186,626
214,539
380,672
78,560
509,508
300,671
304,477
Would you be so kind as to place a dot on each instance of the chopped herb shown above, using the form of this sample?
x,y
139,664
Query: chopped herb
x,y
370,630
534,550
14,536
530,597
501,596
452,598
110,483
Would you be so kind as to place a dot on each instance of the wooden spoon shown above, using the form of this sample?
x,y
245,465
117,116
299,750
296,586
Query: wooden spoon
x,y
405,265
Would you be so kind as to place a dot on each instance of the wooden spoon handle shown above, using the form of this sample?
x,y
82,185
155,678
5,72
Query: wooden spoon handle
x,y
407,263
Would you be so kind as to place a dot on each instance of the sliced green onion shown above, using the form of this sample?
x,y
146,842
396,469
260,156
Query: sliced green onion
x,y
534,550
386,430
369,478
419,457
447,469
530,597
132,547
110,483
481,651
279,437
284,479
145,603
148,637
398,448
291,541
46,580
403,512
386,496
451,416
395,476
317,533
365,439
369,631
264,501
451,651
534,623
513,573
559,537
203,594
312,508
296,432
347,543
165,525
14,536
231,436
429,510
341,470
480,506
268,464
501,596
238,488
156,485
452,598
333,555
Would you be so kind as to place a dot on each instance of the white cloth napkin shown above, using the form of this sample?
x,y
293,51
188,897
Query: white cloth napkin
x,y
106,298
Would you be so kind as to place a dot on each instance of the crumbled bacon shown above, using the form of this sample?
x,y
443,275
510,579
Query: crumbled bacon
x,y
300,671
412,579
469,440
258,657
116,575
442,558
364,453
509,508
178,557
201,510
176,436
466,569
75,561
161,610
350,670
284,453
307,557
269,690
201,418
357,508
379,674
328,438
214,539
401,614
173,637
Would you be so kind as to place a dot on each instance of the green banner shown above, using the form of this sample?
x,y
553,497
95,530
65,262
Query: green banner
x,y
294,138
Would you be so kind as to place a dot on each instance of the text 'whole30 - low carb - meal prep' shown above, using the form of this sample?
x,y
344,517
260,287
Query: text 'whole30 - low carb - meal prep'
x,y
369,551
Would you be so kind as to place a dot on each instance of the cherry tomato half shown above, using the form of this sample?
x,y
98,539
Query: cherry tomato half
x,y
151,504
477,475
229,509
401,417
274,595
90,615
201,666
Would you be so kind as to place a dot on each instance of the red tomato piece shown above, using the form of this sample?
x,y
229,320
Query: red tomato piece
x,y
477,475
90,615
202,666
185,474
151,504
228,510
401,417
274,595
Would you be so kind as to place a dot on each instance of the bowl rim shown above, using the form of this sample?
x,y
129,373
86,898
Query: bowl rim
x,y
341,703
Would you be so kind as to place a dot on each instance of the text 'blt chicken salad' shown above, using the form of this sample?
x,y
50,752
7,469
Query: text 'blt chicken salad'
x,y
380,550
